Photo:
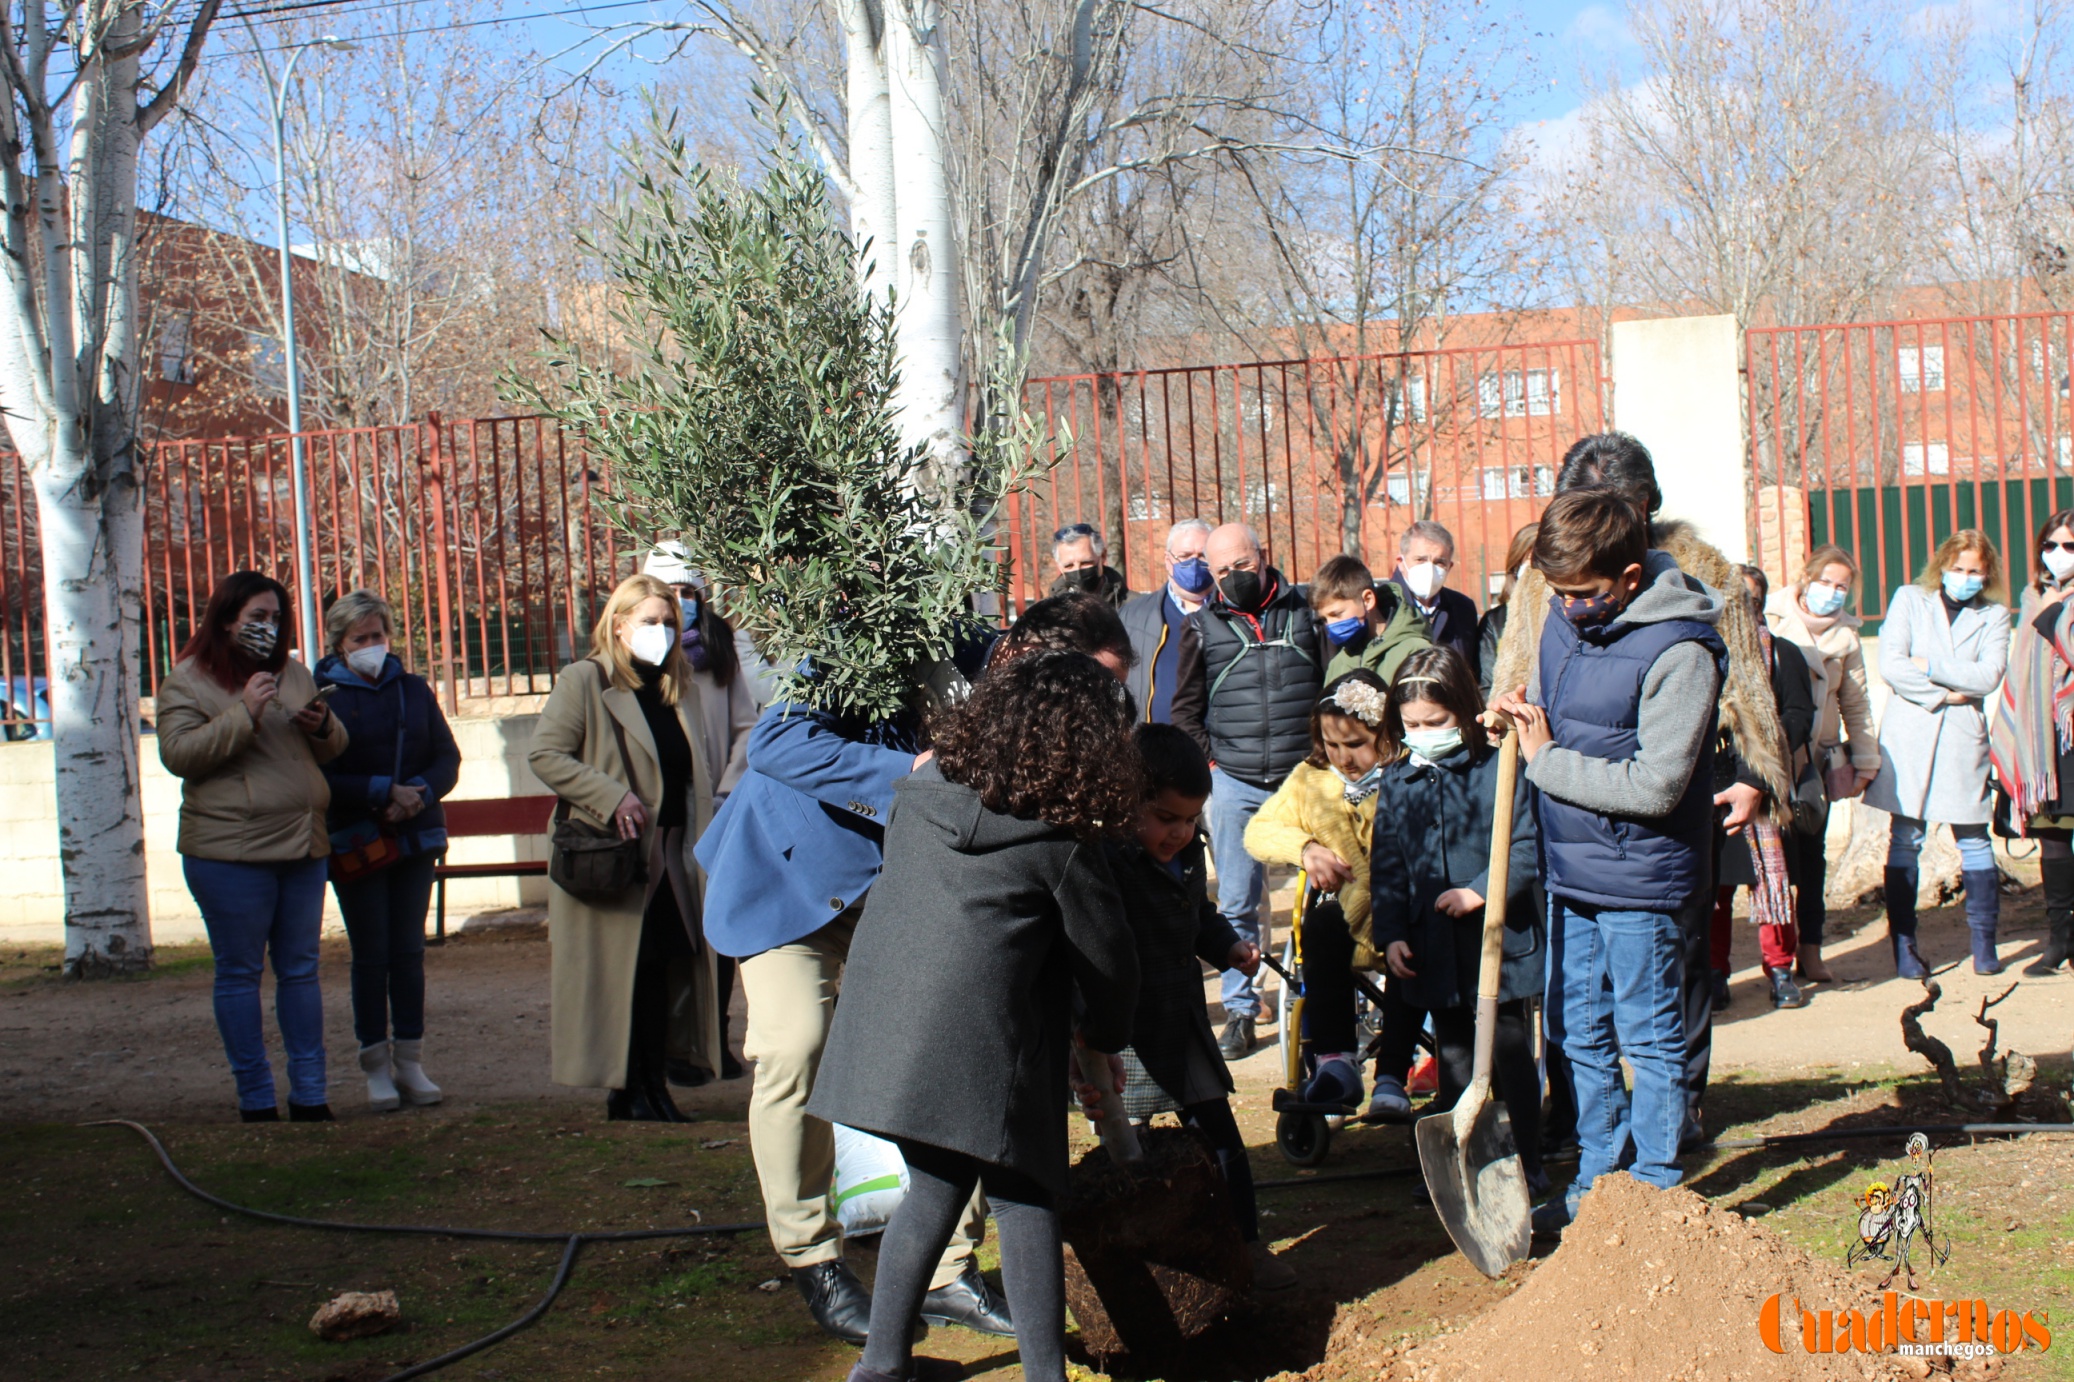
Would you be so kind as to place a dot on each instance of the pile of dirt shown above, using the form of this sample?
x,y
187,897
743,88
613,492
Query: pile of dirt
x,y
1647,1284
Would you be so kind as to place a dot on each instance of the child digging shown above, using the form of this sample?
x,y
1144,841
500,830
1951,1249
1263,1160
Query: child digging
x,y
1429,879
1174,1063
1322,819
953,1034
1621,756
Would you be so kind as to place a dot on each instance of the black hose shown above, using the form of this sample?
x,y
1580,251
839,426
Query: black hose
x,y
1734,1144
572,1244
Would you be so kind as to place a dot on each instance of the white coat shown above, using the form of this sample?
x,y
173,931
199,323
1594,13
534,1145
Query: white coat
x,y
1934,754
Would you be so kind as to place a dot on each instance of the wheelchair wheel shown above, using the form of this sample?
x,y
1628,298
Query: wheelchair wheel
x,y
1303,1138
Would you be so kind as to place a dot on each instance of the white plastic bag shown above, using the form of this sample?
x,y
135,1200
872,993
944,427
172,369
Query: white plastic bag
x,y
870,1181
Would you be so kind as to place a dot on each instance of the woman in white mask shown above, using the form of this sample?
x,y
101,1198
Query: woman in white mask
x,y
1814,615
621,742
2032,742
387,835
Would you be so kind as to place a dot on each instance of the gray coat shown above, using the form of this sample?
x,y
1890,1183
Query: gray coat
x,y
957,1008
1933,755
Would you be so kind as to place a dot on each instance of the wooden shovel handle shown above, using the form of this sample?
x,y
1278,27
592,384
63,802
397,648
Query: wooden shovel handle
x,y
1487,979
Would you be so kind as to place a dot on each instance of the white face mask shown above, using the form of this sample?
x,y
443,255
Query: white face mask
x,y
651,643
1423,579
2060,563
367,662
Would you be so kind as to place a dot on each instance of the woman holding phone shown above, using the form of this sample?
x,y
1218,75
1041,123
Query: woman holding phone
x,y
244,729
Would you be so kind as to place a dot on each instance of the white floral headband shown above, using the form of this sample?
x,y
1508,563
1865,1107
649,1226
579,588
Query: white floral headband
x,y
1360,700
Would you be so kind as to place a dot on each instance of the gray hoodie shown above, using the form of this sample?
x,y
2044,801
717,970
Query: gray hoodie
x,y
1678,700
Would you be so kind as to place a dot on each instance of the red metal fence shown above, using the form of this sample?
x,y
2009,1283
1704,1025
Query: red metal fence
x,y
1886,437
1320,456
490,540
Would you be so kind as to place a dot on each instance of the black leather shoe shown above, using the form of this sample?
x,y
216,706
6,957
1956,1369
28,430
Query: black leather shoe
x,y
837,1299
656,1092
259,1115
969,1302
310,1113
1236,1042
629,1106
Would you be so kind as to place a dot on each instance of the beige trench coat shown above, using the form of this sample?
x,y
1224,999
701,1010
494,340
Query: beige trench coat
x,y
595,945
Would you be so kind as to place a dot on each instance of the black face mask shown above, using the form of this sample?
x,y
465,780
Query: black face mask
x,y
1088,578
1241,589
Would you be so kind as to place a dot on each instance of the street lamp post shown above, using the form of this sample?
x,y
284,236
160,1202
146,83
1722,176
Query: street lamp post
x,y
305,566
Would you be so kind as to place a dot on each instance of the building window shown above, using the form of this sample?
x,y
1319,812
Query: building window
x,y
269,364
1516,481
1408,399
1932,458
1520,393
1922,369
175,349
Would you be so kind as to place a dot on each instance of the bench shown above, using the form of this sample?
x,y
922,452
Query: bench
x,y
489,816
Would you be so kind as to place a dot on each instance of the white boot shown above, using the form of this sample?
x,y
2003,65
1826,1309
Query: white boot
x,y
410,1075
381,1088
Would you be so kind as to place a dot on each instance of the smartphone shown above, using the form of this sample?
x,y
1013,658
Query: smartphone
x,y
324,693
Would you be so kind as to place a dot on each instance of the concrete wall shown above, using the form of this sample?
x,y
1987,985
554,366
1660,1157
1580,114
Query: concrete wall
x,y
32,907
1677,386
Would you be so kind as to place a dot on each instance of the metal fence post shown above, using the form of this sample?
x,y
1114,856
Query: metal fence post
x,y
435,484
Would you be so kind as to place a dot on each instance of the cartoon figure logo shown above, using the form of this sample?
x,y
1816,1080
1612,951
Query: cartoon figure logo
x,y
1890,1219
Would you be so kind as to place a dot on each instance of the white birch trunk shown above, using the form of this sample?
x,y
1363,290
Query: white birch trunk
x,y
870,160
925,265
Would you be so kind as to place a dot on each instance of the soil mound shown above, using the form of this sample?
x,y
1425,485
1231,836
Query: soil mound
x,y
1648,1283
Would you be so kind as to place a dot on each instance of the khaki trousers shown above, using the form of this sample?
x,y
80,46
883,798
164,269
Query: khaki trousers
x,y
791,994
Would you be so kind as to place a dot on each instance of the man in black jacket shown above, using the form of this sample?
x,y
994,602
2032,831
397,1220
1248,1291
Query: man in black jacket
x,y
1425,556
1244,691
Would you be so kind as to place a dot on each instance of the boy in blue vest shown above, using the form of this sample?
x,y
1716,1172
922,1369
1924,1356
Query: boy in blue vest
x,y
1620,752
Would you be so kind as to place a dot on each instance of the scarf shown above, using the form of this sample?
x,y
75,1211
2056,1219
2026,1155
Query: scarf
x,y
695,650
1359,790
2034,724
1771,897
1815,624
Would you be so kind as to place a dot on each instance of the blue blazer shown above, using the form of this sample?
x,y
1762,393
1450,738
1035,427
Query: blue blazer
x,y
802,835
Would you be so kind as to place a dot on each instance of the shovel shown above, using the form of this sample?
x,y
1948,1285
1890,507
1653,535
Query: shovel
x,y
1471,1163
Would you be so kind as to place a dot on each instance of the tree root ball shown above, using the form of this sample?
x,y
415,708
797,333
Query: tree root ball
x,y
1154,1257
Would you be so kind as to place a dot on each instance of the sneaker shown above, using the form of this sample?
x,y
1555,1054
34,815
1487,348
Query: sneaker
x,y
1537,1183
1337,1082
1720,991
1237,1041
1425,1076
1389,1103
1270,1273
1786,993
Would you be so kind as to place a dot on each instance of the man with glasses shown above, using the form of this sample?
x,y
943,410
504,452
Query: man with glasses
x,y
1244,689
1158,622
1082,557
1425,556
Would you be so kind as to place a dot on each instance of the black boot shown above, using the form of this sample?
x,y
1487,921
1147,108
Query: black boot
x,y
1901,923
836,1298
628,1106
2059,916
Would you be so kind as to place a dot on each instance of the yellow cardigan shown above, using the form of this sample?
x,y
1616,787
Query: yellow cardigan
x,y
1310,805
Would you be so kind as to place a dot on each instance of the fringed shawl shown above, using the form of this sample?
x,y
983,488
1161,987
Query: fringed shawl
x,y
2034,723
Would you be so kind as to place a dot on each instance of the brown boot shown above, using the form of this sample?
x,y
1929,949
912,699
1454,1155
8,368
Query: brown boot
x,y
1809,962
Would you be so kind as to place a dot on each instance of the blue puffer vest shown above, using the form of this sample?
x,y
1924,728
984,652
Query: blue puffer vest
x,y
1591,683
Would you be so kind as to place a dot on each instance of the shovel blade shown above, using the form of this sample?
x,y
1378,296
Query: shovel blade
x,y
1478,1187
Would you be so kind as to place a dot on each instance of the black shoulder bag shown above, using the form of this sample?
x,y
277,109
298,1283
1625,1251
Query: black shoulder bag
x,y
586,862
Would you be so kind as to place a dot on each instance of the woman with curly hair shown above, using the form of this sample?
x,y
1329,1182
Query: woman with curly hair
x,y
956,1024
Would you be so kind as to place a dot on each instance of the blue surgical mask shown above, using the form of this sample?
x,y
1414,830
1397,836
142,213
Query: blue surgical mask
x,y
1433,743
1192,574
690,606
1345,630
1962,587
1823,600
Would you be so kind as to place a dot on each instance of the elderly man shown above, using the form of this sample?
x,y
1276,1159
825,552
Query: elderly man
x,y
1244,688
1158,622
1082,557
1425,555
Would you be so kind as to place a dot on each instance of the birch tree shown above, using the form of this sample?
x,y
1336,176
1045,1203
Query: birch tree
x,y
86,81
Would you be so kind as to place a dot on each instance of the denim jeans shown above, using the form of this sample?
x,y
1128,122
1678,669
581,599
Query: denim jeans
x,y
385,921
1615,989
1905,836
1241,879
252,910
